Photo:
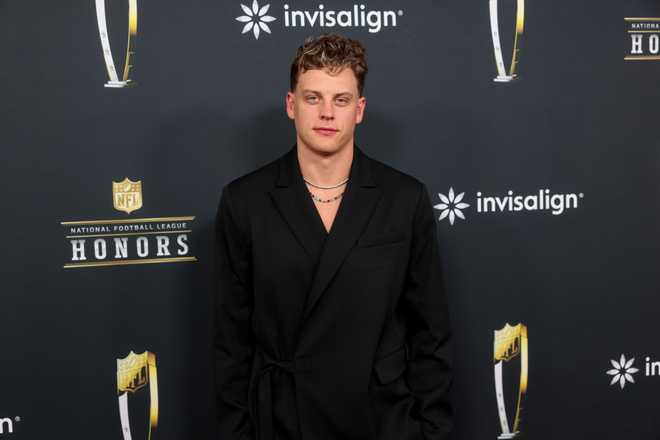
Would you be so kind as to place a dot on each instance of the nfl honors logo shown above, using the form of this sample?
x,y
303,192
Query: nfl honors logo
x,y
644,38
127,241
127,195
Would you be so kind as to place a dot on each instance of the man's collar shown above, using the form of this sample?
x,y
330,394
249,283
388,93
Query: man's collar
x,y
360,173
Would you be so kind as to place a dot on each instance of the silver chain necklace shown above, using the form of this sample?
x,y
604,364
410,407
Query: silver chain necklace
x,y
326,187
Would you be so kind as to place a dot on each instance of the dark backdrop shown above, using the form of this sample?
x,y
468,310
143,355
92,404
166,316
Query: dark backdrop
x,y
209,106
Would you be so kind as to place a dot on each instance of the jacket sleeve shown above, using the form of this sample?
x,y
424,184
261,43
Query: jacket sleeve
x,y
233,337
428,334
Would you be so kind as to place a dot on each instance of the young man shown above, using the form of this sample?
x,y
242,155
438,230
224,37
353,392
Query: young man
x,y
331,319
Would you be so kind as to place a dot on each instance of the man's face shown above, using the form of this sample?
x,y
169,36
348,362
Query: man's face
x,y
325,109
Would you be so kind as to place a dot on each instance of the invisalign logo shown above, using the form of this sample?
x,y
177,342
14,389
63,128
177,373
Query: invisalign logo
x,y
543,201
453,205
359,16
7,424
256,19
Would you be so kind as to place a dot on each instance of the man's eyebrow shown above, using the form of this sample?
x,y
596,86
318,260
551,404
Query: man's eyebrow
x,y
349,94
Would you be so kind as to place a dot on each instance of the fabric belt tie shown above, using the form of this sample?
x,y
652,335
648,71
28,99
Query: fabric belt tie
x,y
264,395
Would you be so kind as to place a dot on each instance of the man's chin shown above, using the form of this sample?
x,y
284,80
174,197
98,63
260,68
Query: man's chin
x,y
325,149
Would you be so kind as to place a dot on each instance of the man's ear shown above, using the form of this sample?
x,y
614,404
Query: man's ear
x,y
361,104
290,104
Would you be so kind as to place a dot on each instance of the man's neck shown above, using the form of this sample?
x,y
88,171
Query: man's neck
x,y
325,169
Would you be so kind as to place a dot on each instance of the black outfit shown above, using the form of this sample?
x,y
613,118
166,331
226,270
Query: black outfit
x,y
330,336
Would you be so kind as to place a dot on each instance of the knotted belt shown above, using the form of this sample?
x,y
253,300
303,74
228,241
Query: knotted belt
x,y
263,392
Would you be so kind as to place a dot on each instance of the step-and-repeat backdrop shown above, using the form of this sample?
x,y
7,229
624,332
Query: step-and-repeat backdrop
x,y
533,123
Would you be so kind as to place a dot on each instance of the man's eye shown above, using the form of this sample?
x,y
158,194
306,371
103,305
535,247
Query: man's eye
x,y
311,98
342,101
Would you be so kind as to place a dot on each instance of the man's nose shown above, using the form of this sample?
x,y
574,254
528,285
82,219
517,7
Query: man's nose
x,y
327,110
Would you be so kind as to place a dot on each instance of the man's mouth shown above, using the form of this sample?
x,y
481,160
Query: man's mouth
x,y
325,131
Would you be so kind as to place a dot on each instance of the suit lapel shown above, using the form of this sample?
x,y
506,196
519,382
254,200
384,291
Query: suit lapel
x,y
355,209
296,207
290,197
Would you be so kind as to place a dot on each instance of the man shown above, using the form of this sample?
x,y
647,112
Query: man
x,y
331,320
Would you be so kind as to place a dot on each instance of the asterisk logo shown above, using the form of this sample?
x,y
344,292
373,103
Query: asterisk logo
x,y
451,206
255,19
622,371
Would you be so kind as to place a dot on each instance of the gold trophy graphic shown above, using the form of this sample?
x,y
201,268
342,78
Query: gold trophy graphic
x,y
502,74
135,372
113,77
510,343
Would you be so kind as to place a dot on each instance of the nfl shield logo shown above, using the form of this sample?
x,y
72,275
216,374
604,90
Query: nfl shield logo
x,y
127,195
132,372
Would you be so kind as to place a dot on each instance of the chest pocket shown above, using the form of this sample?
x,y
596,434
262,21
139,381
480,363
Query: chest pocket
x,y
381,239
377,250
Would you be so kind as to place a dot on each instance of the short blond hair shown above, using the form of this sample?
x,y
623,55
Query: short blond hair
x,y
330,52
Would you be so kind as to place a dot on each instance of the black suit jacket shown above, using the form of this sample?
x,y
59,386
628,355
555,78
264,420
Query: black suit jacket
x,y
346,339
